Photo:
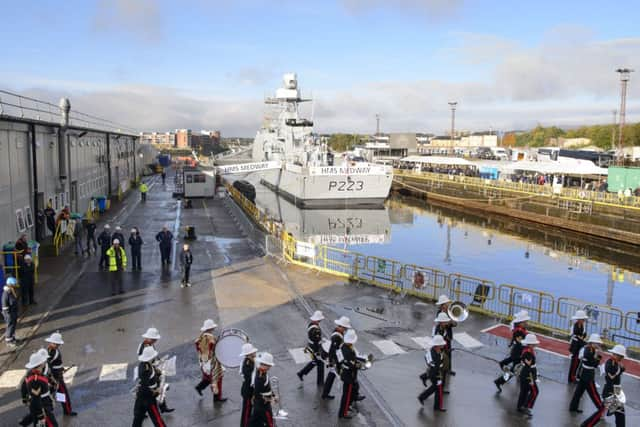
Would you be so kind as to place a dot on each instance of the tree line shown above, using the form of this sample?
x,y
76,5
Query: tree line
x,y
600,135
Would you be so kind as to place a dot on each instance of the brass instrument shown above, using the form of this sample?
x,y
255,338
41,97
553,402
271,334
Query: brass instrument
x,y
364,362
458,311
615,401
163,387
280,414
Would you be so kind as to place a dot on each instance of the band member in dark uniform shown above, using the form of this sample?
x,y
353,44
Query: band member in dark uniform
x,y
314,348
590,360
57,370
147,390
349,365
36,392
613,370
246,391
528,376
342,324
577,341
150,338
447,332
519,331
262,395
435,373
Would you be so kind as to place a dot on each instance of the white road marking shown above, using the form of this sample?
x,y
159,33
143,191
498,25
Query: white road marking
x,y
467,340
388,347
113,372
299,356
70,374
11,379
424,342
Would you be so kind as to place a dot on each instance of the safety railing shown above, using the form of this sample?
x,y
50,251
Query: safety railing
x,y
24,107
503,301
598,197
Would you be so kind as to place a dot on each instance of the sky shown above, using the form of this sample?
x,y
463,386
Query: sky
x,y
207,64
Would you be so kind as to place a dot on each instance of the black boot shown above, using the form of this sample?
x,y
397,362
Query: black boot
x,y
165,408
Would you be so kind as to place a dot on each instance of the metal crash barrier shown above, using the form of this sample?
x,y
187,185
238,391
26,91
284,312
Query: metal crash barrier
x,y
548,313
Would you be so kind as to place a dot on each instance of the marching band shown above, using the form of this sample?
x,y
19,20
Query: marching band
x,y
44,380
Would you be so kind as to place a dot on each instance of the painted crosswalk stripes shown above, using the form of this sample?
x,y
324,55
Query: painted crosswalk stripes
x,y
424,342
298,355
388,347
466,340
113,372
12,378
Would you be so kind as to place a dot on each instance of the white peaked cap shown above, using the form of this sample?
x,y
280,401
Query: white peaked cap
x,y
443,299
148,354
530,339
595,338
619,350
116,241
350,337
442,317
265,359
248,349
521,316
438,340
317,316
36,359
55,338
343,321
580,315
152,334
208,324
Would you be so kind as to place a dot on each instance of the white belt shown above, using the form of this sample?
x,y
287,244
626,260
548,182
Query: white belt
x,y
47,394
588,367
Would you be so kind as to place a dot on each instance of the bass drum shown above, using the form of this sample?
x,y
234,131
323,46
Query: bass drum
x,y
229,347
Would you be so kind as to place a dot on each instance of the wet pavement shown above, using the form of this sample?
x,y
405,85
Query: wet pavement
x,y
270,301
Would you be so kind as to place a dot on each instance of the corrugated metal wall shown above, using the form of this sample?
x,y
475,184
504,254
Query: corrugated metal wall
x,y
87,174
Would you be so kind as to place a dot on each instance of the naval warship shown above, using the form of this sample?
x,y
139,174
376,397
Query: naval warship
x,y
308,173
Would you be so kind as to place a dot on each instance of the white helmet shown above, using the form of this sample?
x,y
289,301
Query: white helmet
x,y
248,349
27,257
443,299
118,228
521,316
442,317
36,359
208,325
133,230
530,339
580,315
55,338
152,334
619,350
350,337
343,321
265,359
116,241
317,316
595,338
148,354
107,226
438,340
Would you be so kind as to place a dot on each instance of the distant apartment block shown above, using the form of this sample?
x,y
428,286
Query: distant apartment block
x,y
183,138
204,140
166,138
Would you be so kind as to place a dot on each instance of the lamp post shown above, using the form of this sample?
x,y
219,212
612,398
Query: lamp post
x,y
624,80
453,105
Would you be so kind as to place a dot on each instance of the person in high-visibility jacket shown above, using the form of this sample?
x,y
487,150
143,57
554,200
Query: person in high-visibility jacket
x,y
143,191
117,264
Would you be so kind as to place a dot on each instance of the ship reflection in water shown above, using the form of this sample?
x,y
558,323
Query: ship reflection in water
x,y
496,249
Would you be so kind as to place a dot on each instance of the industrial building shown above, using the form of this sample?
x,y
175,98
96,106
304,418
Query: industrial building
x,y
52,154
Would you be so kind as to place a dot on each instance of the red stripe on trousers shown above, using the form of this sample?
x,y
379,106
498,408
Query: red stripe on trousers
x,y
219,387
532,396
247,412
67,403
440,396
348,402
594,394
156,415
574,367
48,421
269,419
597,418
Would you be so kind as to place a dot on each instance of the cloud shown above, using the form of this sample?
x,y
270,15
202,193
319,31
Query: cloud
x,y
140,18
430,8
252,76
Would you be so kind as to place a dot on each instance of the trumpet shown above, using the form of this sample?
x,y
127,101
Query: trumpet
x,y
615,401
280,414
364,362
458,311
